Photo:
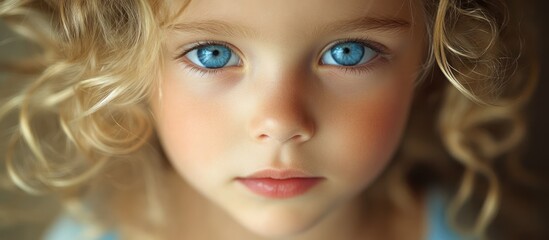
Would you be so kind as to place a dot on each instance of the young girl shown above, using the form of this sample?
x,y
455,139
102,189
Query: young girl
x,y
355,119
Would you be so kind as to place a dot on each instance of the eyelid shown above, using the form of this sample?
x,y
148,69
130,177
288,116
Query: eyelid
x,y
199,44
377,47
383,56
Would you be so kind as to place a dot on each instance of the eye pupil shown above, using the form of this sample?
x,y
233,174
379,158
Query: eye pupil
x,y
215,53
346,50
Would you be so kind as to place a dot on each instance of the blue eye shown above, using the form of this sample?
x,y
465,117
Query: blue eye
x,y
348,54
213,56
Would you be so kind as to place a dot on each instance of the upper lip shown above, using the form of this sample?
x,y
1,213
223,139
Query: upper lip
x,y
280,174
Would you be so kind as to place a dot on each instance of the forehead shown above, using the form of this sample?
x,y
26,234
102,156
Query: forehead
x,y
269,19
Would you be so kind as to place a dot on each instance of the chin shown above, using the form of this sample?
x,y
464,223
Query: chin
x,y
279,223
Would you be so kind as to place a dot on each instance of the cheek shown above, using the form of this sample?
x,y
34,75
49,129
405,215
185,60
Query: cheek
x,y
367,132
193,130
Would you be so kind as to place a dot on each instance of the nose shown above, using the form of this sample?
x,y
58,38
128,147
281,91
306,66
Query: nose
x,y
281,114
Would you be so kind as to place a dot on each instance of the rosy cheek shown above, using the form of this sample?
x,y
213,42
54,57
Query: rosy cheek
x,y
186,130
368,132
190,126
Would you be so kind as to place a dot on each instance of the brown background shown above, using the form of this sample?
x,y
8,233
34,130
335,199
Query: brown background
x,y
539,111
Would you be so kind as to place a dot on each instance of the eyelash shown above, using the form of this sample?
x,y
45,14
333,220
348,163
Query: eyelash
x,y
200,70
382,54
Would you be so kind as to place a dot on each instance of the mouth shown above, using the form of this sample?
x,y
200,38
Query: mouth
x,y
280,184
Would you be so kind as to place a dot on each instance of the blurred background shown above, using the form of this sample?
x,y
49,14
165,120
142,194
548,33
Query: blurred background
x,y
536,150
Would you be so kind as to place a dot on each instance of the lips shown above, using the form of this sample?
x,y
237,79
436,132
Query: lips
x,y
280,184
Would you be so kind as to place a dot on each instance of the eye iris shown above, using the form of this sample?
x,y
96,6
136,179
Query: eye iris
x,y
214,56
347,54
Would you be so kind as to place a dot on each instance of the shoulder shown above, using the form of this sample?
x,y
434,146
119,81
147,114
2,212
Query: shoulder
x,y
67,228
438,225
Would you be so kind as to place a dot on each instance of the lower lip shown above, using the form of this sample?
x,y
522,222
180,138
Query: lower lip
x,y
279,188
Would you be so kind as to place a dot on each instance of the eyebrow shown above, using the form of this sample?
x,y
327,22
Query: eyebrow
x,y
379,24
216,27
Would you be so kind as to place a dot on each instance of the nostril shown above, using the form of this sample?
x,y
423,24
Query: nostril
x,y
263,137
293,138
293,127
296,138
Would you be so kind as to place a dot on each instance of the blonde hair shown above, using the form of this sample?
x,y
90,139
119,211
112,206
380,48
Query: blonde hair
x,y
480,119
100,62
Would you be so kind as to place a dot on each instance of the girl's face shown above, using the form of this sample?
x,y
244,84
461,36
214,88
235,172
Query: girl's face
x,y
283,112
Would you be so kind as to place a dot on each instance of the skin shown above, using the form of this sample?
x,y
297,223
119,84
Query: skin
x,y
282,108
